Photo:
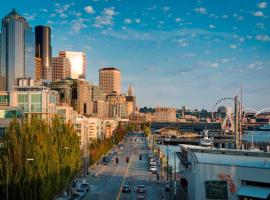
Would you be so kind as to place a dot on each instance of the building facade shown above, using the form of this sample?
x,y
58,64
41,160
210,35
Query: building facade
x,y
35,101
110,80
43,50
78,63
224,174
61,68
164,115
17,50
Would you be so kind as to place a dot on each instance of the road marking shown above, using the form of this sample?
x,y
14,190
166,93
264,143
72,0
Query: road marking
x,y
126,171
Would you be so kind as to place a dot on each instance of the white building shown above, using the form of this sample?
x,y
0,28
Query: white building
x,y
224,174
38,101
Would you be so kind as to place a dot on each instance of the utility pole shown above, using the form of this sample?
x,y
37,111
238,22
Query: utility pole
x,y
167,162
236,121
175,186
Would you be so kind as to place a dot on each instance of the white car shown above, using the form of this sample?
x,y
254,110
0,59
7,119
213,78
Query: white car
x,y
153,168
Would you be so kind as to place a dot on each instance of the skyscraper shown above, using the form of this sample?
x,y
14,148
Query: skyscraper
x,y
61,68
43,50
78,63
110,80
17,50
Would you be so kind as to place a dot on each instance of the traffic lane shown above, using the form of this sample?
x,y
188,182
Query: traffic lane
x,y
107,184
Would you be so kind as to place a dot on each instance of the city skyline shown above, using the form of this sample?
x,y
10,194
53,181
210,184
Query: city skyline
x,y
174,54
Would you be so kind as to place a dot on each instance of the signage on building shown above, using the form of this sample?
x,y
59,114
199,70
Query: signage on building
x,y
216,189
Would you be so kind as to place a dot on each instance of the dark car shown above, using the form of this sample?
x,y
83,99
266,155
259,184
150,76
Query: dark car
x,y
85,186
140,189
126,189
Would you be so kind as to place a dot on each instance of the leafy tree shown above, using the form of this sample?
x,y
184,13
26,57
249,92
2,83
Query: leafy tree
x,y
38,159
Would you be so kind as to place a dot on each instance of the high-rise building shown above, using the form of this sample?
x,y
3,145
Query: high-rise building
x,y
61,68
17,50
43,50
110,80
38,68
78,63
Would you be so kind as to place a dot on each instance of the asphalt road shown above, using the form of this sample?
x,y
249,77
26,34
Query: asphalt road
x,y
107,185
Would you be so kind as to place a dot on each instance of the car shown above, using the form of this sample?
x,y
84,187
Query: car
x,y
126,189
85,186
153,169
80,192
141,189
75,197
152,163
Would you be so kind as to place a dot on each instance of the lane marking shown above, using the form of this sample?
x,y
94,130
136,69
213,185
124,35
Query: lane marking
x,y
126,171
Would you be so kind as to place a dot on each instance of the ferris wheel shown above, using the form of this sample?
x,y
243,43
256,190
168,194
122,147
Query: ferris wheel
x,y
224,111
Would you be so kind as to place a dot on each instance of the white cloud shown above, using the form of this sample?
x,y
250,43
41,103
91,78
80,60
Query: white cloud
x,y
256,65
225,16
208,64
110,11
263,38
62,9
127,21
258,14
89,9
43,10
106,19
178,19
211,26
30,17
165,8
137,20
233,46
262,5
201,10
78,24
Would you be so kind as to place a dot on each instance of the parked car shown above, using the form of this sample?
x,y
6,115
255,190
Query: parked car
x,y
126,189
75,197
140,189
80,192
85,186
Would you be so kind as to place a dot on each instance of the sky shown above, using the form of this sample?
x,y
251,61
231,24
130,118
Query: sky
x,y
174,52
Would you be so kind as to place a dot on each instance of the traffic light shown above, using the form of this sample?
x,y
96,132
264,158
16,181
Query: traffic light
x,y
127,159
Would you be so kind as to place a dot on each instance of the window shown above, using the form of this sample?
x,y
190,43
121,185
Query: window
x,y
23,98
4,99
36,98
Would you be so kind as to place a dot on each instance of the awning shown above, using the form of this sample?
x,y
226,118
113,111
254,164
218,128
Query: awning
x,y
254,191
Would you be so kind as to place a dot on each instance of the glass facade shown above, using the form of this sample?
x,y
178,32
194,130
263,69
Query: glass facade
x,y
17,50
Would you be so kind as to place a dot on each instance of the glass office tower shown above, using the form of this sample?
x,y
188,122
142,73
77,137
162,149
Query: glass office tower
x,y
17,50
44,50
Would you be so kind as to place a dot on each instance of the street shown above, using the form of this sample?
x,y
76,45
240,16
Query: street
x,y
110,178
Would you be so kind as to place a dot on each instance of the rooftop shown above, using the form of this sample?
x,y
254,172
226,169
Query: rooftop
x,y
109,68
231,157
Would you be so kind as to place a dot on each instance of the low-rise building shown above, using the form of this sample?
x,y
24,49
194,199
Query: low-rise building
x,y
66,113
164,115
224,174
35,101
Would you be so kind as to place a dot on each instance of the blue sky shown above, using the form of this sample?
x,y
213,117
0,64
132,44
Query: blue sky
x,y
175,52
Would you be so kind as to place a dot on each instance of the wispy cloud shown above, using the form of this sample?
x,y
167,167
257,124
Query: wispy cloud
x,y
258,14
78,25
61,9
262,5
30,17
263,38
106,19
127,21
201,10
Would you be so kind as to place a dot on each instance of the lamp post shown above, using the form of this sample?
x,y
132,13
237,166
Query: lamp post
x,y
30,160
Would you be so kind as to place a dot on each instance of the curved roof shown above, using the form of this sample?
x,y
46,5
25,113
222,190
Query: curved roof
x,y
109,68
